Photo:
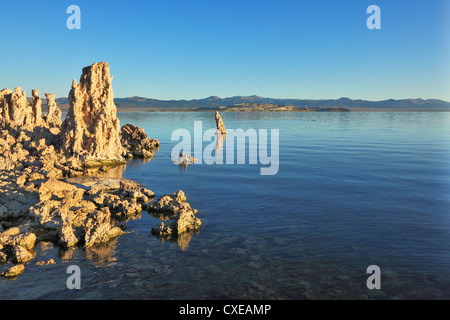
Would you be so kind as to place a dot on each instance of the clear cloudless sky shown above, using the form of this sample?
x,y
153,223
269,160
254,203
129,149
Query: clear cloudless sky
x,y
191,49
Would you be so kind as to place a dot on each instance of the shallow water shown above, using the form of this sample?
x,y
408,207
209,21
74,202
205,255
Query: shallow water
x,y
352,190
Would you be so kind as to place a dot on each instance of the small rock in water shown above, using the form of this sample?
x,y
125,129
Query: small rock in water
x,y
13,271
184,159
45,263
219,124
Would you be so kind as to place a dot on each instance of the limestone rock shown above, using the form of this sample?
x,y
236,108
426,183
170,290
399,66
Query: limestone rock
x,y
16,111
99,228
91,130
54,113
184,159
37,107
60,189
173,207
137,143
45,263
26,240
66,236
219,124
135,191
20,255
169,204
4,106
13,271
3,257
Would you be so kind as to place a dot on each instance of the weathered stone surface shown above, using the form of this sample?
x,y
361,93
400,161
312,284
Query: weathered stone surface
x,y
13,271
92,129
54,113
219,123
16,111
173,207
135,192
184,159
4,106
37,152
99,228
184,221
45,263
169,204
3,257
60,189
37,107
137,143
66,236
20,255
26,240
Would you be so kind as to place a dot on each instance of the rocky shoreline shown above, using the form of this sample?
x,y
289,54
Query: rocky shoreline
x,y
50,188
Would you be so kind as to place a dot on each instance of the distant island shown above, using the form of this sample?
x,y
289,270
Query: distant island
x,y
257,103
267,107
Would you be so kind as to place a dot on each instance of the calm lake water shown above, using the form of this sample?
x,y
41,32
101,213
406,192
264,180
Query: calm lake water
x,y
352,190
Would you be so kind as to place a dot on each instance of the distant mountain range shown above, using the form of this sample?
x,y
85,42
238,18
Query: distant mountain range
x,y
215,103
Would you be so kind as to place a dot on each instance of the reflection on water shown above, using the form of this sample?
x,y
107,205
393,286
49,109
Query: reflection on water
x,y
353,190
182,240
220,138
106,252
102,253
66,255
117,171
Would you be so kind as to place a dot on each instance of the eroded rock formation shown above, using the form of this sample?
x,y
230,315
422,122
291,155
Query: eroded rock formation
x,y
91,131
16,112
219,124
53,118
137,143
37,107
177,211
39,157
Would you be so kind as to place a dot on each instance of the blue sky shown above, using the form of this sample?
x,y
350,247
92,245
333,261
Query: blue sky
x,y
191,49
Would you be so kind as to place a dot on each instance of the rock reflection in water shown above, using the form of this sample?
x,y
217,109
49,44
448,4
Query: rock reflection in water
x,y
99,253
118,170
220,138
102,253
182,240
66,255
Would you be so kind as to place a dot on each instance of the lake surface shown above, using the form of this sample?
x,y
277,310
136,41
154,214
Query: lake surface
x,y
353,190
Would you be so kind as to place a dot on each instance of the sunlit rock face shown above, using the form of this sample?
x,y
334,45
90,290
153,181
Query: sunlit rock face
x,y
53,118
219,124
91,130
16,111
137,143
